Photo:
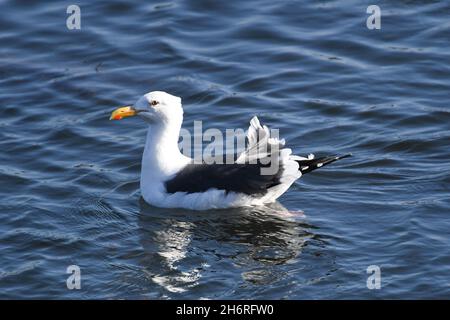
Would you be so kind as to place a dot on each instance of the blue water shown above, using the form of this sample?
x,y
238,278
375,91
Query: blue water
x,y
69,178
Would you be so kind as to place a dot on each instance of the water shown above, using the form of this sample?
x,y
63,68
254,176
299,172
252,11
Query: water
x,y
69,178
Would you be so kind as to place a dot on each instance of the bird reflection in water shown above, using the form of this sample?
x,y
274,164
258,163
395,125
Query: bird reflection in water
x,y
181,247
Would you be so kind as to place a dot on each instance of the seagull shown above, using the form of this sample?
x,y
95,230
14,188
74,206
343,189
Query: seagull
x,y
170,179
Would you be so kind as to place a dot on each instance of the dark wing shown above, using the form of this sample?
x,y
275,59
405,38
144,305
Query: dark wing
x,y
242,178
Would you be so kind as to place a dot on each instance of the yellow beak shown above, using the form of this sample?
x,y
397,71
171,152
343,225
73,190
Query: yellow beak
x,y
122,112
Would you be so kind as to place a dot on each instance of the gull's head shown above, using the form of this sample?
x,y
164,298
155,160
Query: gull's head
x,y
154,107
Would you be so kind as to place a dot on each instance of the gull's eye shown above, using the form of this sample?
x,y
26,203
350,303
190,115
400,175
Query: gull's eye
x,y
154,102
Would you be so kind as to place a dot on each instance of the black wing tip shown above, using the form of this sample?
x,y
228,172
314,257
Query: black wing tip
x,y
316,163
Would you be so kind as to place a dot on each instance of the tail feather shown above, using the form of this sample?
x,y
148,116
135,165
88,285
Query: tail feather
x,y
309,165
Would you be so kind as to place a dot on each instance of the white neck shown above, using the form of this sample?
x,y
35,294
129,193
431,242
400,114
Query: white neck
x,y
162,157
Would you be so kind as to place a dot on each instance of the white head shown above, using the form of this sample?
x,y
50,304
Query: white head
x,y
156,107
159,106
